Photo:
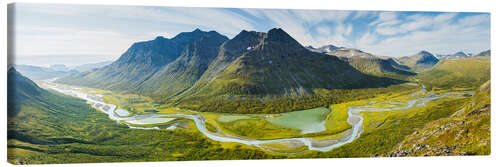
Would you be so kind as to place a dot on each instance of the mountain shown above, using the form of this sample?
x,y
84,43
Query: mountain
x,y
59,67
182,73
274,64
484,53
324,49
91,66
41,73
141,63
371,64
455,55
420,61
197,66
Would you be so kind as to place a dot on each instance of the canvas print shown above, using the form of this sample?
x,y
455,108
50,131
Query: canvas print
x,y
99,83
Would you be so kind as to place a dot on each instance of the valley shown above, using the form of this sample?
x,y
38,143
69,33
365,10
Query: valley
x,y
259,95
307,129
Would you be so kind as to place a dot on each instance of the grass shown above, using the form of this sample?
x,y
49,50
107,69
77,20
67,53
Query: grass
x,y
256,128
460,73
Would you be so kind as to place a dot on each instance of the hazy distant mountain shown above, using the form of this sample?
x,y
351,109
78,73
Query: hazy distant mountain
x,y
59,67
484,53
144,62
455,55
371,64
324,49
91,66
41,73
421,60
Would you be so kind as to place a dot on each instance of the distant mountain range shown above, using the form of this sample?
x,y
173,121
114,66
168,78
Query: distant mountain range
x,y
371,64
55,70
91,66
324,49
41,73
455,55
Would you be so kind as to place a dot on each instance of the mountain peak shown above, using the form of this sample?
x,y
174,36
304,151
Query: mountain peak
x,y
197,30
278,34
424,52
159,38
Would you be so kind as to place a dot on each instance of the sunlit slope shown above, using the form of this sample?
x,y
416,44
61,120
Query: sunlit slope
x,y
466,132
467,73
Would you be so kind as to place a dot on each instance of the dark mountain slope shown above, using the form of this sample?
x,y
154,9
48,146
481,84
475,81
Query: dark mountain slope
x,y
19,90
484,53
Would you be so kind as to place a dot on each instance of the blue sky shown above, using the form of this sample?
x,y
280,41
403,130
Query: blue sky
x,y
106,32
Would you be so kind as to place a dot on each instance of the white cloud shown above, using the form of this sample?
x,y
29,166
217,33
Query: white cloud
x,y
442,38
475,19
390,33
43,41
411,23
301,24
364,14
385,17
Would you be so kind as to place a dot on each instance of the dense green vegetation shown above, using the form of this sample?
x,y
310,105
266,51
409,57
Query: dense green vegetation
x,y
322,98
467,73
48,127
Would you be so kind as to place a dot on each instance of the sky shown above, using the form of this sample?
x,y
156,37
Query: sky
x,y
77,34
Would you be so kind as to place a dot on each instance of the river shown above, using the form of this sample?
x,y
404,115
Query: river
x,y
354,118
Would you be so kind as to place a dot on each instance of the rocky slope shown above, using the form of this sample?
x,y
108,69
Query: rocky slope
x,y
466,132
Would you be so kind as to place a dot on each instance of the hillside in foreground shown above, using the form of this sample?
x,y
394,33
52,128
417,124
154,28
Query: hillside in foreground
x,y
466,132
